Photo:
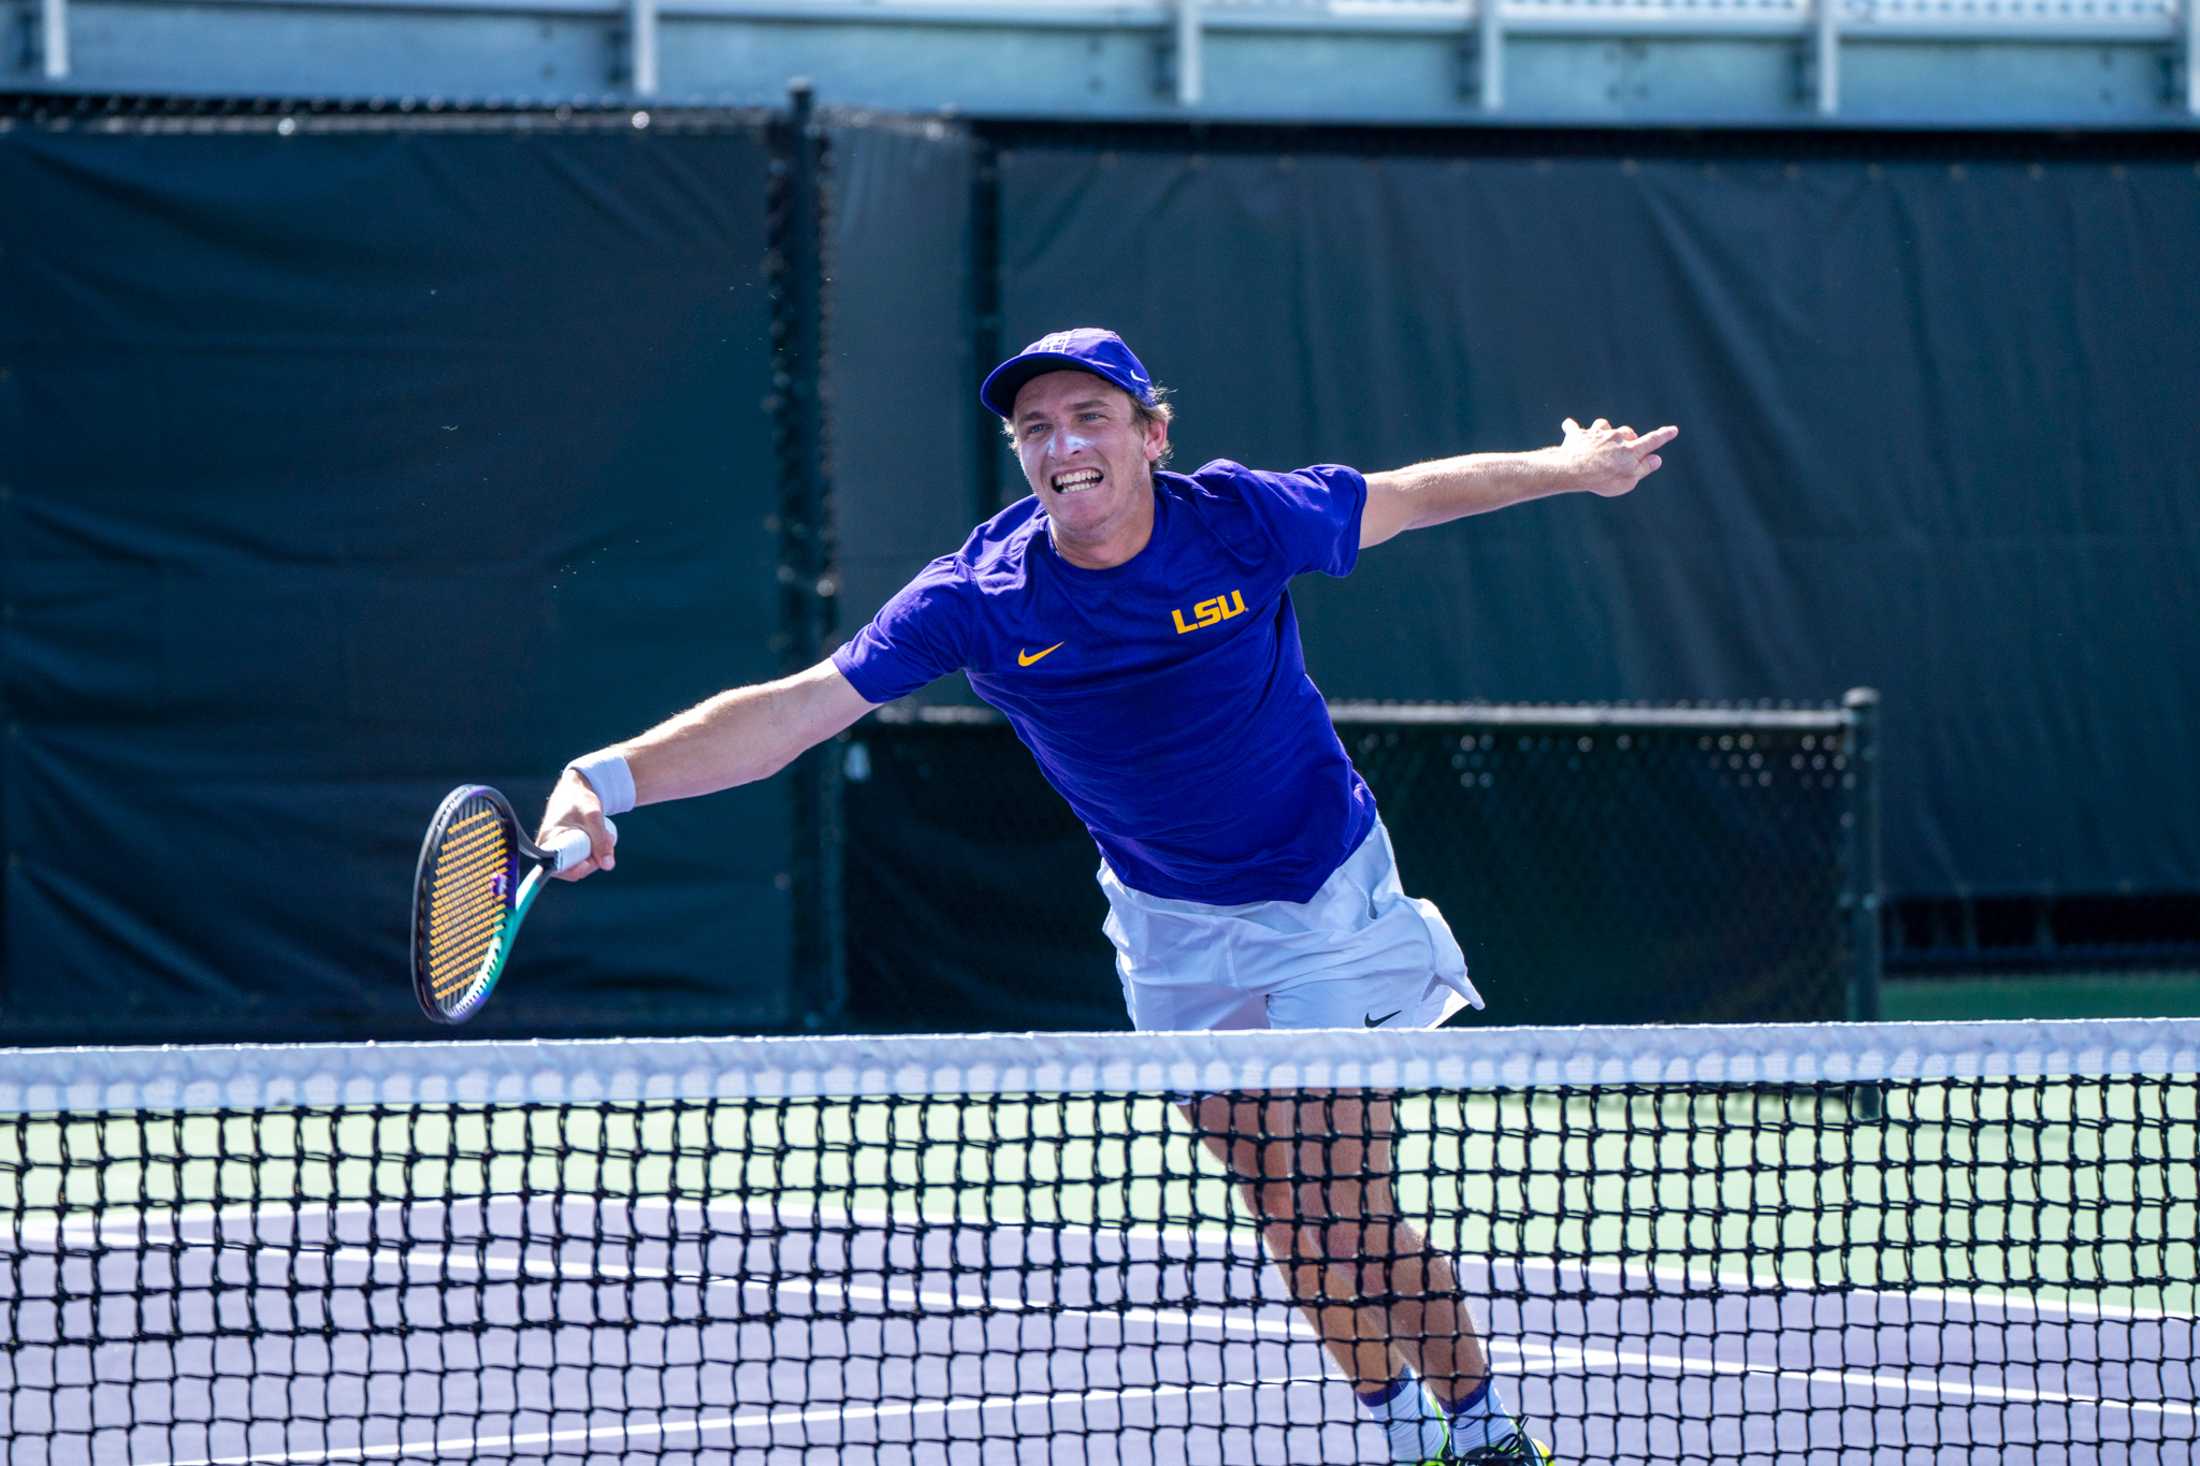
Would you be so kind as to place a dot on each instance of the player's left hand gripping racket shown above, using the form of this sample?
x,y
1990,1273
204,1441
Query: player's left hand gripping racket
x,y
478,875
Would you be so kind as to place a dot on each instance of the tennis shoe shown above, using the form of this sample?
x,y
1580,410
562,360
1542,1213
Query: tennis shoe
x,y
1517,1449
1424,1441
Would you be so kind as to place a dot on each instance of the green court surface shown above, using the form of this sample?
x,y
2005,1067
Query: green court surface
x,y
2082,1190
2090,994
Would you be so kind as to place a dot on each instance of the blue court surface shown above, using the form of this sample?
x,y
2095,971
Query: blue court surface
x,y
716,1332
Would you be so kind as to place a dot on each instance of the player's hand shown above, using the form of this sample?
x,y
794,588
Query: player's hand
x,y
574,806
1610,461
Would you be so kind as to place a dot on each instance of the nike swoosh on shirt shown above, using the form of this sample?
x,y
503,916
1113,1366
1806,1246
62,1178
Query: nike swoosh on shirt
x,y
1379,1022
1025,659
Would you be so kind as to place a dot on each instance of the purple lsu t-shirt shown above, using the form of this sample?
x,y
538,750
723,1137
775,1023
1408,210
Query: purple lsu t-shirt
x,y
1165,698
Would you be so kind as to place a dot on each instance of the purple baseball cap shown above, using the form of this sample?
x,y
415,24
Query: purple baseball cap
x,y
1083,349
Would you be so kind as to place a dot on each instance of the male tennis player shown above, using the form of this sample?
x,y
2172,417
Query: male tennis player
x,y
1135,627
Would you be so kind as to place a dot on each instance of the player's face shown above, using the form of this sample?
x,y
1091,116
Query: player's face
x,y
1087,454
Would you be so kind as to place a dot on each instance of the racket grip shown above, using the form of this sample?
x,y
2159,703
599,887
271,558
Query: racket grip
x,y
572,847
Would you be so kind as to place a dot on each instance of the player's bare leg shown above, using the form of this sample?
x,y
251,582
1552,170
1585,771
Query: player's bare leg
x,y
1315,1169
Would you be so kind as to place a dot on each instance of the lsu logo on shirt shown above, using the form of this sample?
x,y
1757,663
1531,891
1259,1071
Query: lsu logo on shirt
x,y
1211,612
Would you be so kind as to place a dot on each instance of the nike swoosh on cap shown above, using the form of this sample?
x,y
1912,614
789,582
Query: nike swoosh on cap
x,y
1025,659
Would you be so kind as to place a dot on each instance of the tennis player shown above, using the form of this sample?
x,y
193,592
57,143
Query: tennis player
x,y
1135,627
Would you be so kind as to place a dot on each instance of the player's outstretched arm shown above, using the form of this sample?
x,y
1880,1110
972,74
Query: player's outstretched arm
x,y
1597,459
737,737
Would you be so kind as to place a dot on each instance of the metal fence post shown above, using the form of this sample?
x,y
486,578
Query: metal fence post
x,y
985,314
809,580
53,39
2188,55
1489,31
1865,895
1825,57
641,46
1482,57
1190,65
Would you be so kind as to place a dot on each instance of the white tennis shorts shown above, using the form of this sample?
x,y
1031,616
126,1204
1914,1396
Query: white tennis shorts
x,y
1361,954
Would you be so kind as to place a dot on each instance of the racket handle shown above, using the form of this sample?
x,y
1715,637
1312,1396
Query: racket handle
x,y
572,847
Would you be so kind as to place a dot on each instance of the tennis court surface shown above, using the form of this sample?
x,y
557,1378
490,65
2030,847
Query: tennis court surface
x,y
1813,1243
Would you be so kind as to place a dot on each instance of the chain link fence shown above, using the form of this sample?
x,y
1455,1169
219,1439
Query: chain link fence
x,y
1599,863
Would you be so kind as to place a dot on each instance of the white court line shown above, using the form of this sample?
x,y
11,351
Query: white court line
x,y
1247,1241
1534,1358
1538,1359
626,1435
125,1227
1195,1317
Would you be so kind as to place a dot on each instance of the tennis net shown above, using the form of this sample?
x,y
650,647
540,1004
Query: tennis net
x,y
1809,1243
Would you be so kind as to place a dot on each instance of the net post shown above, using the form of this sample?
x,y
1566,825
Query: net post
x,y
796,234
1863,898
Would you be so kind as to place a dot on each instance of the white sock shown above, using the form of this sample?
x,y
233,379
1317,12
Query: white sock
x,y
1481,1419
1410,1419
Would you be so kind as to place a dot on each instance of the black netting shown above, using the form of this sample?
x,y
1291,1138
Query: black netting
x,y
1982,1270
1701,866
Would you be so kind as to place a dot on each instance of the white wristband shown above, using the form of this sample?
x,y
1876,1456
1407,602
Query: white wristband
x,y
607,773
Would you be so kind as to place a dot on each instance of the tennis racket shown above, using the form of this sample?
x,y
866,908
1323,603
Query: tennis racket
x,y
478,875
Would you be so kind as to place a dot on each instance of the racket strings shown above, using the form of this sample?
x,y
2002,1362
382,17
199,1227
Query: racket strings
x,y
468,897
463,840
457,962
